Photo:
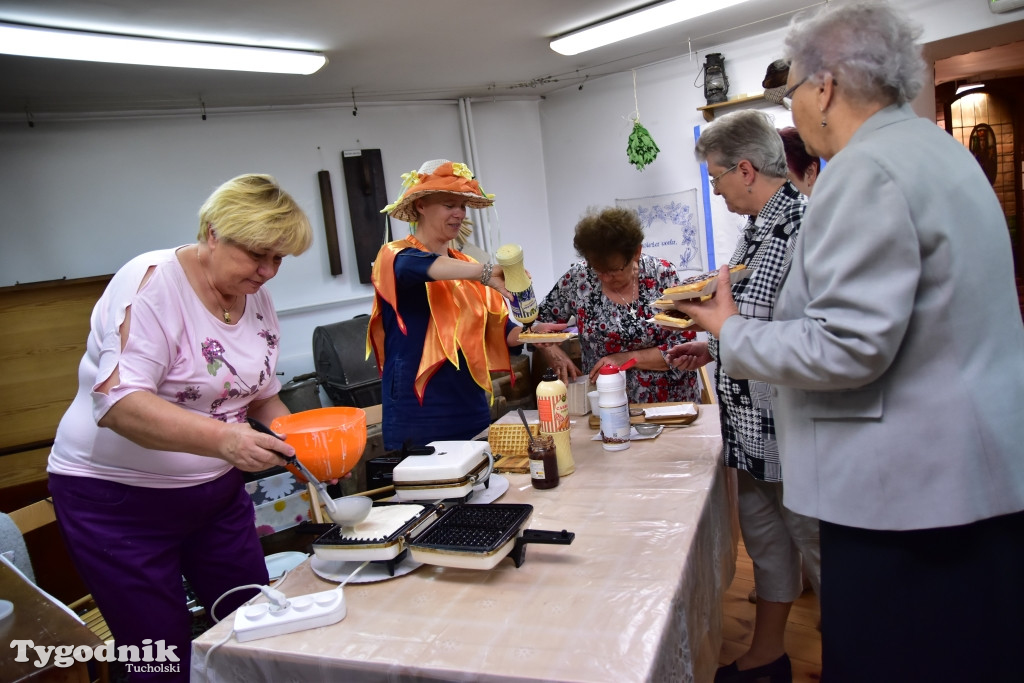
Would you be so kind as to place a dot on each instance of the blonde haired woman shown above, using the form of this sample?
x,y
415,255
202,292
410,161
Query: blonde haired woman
x,y
439,325
146,469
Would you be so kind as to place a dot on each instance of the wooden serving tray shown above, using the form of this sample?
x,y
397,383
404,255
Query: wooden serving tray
x,y
595,421
509,445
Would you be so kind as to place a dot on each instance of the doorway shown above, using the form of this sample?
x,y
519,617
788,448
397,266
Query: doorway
x,y
979,100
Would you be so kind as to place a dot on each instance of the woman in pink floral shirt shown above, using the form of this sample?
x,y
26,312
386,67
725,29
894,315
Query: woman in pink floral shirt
x,y
146,469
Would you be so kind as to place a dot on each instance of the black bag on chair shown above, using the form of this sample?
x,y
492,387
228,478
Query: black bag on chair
x,y
347,376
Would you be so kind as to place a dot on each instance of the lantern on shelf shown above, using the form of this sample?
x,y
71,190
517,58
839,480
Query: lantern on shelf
x,y
716,83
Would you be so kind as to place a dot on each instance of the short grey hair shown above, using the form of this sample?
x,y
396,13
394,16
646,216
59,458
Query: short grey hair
x,y
746,134
868,46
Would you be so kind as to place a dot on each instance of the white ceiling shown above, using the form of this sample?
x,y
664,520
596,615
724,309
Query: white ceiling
x,y
380,50
384,50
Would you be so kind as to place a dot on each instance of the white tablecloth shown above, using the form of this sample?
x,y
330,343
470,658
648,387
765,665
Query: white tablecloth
x,y
636,597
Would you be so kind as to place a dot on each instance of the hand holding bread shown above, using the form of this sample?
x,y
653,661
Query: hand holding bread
x,y
711,314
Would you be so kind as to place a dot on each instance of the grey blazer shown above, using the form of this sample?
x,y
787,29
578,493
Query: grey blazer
x,y
897,348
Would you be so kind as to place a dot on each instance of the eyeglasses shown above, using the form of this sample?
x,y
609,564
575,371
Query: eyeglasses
x,y
613,271
788,95
714,180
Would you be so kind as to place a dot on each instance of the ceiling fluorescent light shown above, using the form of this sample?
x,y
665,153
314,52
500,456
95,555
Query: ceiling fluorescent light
x,y
642,21
969,86
31,41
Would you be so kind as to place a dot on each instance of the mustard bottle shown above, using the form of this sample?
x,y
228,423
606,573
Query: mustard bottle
x,y
518,283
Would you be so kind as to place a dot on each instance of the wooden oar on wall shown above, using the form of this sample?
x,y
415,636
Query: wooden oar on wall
x,y
330,225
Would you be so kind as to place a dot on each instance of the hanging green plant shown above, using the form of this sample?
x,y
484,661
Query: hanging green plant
x,y
641,149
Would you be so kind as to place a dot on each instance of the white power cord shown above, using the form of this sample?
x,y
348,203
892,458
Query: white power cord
x,y
273,595
276,598
349,577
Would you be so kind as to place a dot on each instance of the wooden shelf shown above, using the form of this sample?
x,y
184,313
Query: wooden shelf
x,y
709,109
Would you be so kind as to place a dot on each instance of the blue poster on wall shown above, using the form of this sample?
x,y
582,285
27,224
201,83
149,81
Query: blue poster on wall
x,y
672,229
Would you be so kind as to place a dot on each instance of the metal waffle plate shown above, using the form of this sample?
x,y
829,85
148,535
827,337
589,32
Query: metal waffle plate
x,y
333,546
475,528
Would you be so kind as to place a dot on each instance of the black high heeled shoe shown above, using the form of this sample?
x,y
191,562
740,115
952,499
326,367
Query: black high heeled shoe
x,y
779,671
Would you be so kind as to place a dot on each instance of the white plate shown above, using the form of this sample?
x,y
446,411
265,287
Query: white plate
x,y
498,486
681,410
338,571
279,563
546,338
709,287
678,323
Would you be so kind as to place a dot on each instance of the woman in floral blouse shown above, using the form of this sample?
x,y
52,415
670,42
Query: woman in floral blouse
x,y
609,294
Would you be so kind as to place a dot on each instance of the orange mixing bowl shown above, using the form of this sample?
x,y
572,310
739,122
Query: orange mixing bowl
x,y
328,441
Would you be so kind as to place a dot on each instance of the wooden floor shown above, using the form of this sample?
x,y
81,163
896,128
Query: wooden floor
x,y
803,640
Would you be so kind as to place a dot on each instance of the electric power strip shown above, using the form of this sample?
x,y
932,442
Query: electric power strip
x,y
303,612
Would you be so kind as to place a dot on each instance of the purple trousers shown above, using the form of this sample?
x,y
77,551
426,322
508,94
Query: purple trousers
x,y
132,545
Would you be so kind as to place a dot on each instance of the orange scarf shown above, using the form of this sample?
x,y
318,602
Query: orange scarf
x,y
464,315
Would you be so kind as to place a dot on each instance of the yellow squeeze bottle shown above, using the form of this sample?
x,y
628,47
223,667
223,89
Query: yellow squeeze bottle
x,y
553,411
518,283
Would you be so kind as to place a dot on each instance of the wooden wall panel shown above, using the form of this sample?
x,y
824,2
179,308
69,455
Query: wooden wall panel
x,y
367,195
42,340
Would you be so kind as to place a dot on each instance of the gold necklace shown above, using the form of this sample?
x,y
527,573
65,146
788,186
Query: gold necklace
x,y
225,312
634,298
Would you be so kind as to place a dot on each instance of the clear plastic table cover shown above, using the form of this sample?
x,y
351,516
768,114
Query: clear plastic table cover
x,y
636,597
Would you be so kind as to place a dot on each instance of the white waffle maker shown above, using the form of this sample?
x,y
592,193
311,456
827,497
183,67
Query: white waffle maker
x,y
449,472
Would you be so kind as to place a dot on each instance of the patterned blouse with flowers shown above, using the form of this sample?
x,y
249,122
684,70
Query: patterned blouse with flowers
x,y
176,350
606,327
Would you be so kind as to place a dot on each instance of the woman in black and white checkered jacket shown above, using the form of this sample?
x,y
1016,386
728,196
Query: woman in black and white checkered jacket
x,y
747,167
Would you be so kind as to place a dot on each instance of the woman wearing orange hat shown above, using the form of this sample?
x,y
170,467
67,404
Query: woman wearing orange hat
x,y
439,324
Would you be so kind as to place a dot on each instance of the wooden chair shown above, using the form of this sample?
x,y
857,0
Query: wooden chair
x,y
707,392
54,572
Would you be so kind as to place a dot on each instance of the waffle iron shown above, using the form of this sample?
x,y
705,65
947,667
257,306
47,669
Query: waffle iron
x,y
338,546
443,470
449,535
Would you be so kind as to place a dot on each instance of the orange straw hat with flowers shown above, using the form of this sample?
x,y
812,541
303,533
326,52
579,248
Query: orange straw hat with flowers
x,y
439,175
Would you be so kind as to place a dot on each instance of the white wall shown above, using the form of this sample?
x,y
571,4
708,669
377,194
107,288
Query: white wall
x,y
513,169
585,131
585,134
82,197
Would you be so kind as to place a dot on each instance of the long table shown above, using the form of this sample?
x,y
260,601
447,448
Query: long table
x,y
636,597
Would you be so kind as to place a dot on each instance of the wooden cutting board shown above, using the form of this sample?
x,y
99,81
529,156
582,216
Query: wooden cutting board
x,y
509,445
515,464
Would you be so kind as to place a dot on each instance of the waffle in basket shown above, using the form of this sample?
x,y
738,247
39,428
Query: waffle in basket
x,y
511,442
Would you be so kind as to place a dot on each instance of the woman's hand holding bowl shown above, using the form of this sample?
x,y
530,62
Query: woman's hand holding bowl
x,y
252,451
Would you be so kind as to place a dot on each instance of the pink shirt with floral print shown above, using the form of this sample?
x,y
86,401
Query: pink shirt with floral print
x,y
176,350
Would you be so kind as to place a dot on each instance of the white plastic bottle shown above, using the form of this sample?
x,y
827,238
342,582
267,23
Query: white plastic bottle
x,y
614,405
518,283
553,410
